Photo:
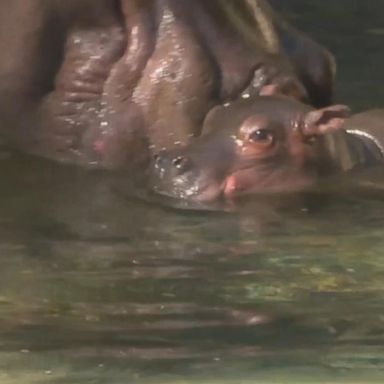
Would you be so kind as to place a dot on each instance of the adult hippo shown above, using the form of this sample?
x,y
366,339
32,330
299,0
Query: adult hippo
x,y
267,144
98,82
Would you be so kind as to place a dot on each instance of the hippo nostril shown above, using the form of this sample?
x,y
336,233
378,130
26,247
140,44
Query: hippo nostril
x,y
158,159
181,163
178,162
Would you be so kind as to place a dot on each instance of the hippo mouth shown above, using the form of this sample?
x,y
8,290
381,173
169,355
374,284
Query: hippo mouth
x,y
202,192
244,182
239,182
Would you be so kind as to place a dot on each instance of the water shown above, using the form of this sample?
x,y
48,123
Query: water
x,y
97,287
354,32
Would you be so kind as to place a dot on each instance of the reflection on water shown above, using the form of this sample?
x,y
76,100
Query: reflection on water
x,y
97,287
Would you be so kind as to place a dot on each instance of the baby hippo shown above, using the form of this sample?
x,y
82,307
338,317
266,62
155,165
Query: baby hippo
x,y
260,145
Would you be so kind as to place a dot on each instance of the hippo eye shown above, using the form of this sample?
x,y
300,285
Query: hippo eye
x,y
262,136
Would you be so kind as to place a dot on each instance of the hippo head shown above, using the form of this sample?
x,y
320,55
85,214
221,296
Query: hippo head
x,y
267,144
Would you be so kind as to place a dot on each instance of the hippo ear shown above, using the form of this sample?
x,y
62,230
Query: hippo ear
x,y
325,120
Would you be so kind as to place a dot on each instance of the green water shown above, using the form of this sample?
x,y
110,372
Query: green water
x,y
96,287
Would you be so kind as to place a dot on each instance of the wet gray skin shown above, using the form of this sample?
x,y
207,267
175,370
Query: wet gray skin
x,y
269,143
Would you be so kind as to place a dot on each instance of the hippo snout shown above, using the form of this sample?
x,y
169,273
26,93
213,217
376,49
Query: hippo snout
x,y
184,175
170,174
165,162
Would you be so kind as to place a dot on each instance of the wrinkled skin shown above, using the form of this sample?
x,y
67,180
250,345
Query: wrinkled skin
x,y
98,82
268,144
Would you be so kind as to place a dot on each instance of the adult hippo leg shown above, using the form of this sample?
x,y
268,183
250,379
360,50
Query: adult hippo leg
x,y
80,102
52,81
28,31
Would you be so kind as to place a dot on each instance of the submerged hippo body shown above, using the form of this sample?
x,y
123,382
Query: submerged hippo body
x,y
267,144
98,82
